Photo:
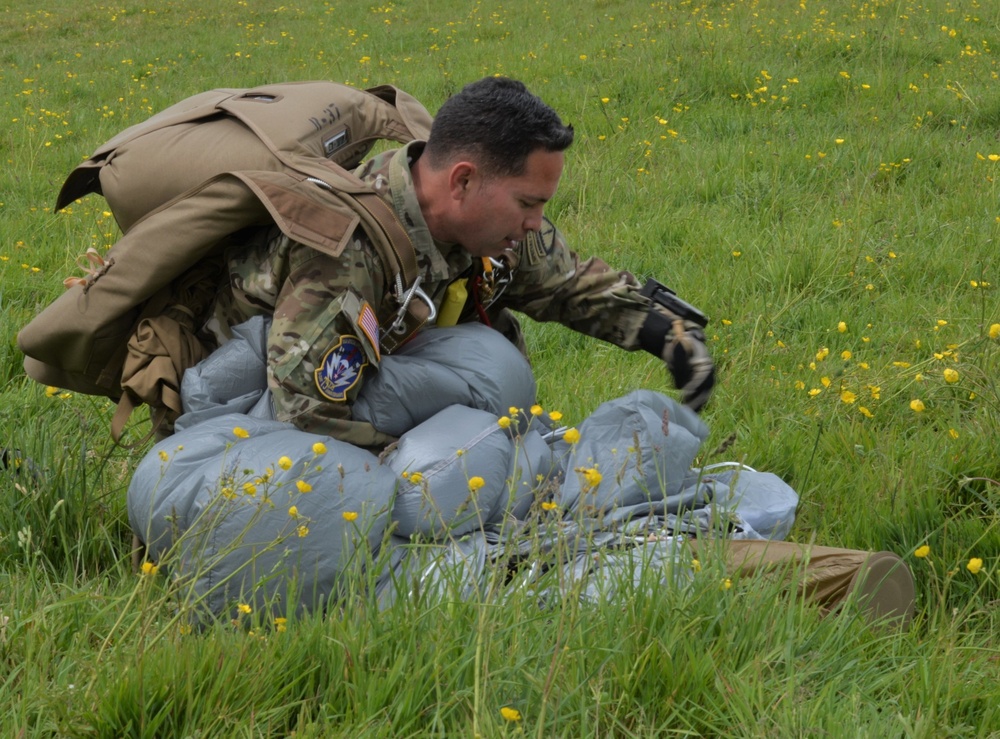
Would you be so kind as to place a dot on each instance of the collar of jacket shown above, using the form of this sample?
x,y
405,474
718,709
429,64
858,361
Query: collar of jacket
x,y
432,256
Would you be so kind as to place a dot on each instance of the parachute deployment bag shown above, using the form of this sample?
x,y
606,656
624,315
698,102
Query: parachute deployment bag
x,y
178,184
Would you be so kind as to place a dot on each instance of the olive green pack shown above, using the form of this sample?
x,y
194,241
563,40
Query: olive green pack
x,y
179,184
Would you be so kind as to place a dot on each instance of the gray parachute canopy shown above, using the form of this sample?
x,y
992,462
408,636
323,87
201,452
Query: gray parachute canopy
x,y
245,509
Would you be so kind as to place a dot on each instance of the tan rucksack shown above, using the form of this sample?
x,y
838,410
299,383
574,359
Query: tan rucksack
x,y
181,182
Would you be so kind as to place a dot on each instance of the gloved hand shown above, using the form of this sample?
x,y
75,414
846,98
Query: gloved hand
x,y
681,346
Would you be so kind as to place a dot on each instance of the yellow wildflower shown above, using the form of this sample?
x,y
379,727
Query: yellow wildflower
x,y
148,568
51,391
475,483
592,476
975,565
503,422
510,714
917,405
249,489
302,531
285,463
293,511
416,478
549,505
280,624
995,331
726,584
349,515
950,375
922,551
303,486
163,456
572,436
814,392
241,433
822,354
557,416
244,608
696,565
847,396
319,448
842,327
536,410
865,412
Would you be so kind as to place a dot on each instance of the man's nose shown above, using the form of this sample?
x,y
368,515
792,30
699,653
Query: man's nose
x,y
533,221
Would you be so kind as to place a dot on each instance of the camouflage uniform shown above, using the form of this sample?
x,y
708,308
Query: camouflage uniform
x,y
320,348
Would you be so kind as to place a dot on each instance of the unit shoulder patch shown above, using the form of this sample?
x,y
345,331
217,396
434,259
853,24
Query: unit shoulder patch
x,y
341,368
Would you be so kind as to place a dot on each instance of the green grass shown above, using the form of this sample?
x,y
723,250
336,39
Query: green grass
x,y
858,188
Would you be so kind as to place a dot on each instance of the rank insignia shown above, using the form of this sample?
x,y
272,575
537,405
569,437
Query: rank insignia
x,y
340,369
534,248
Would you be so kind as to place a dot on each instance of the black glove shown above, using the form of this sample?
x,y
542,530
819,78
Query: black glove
x,y
681,345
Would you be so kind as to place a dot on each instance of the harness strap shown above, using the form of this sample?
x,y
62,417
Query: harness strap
x,y
395,248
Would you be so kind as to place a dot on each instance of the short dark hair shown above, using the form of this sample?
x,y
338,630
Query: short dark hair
x,y
497,122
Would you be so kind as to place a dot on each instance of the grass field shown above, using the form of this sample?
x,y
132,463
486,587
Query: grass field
x,y
819,177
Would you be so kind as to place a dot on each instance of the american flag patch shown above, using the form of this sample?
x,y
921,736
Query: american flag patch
x,y
368,324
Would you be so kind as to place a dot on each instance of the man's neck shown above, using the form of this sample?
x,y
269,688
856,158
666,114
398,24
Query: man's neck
x,y
431,189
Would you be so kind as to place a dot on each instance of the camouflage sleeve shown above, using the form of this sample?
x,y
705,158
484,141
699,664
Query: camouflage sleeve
x,y
319,352
552,284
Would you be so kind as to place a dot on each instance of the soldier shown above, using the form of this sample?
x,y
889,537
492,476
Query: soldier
x,y
471,199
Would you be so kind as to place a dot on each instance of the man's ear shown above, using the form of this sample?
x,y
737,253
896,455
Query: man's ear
x,y
461,178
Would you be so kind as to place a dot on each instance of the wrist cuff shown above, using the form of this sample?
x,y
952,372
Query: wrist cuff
x,y
654,332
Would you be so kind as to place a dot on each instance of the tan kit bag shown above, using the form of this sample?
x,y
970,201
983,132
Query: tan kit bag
x,y
181,182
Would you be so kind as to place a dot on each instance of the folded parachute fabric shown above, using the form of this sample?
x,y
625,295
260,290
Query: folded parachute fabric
x,y
242,509
470,365
232,379
260,513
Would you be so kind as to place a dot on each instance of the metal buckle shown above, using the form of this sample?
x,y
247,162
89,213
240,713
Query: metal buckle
x,y
414,292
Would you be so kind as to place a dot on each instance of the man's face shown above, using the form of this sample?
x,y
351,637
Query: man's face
x,y
493,214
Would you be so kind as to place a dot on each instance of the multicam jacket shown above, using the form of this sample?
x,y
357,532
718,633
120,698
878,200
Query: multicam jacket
x,y
324,337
